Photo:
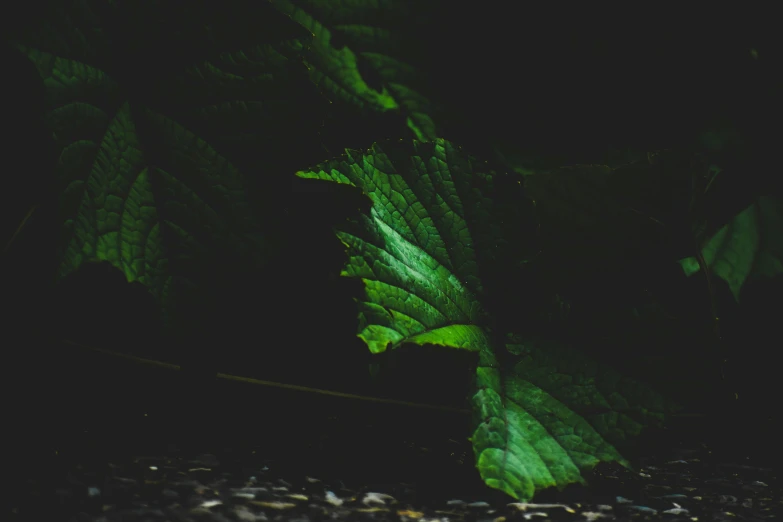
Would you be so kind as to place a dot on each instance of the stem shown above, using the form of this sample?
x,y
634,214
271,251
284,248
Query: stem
x,y
273,384
20,227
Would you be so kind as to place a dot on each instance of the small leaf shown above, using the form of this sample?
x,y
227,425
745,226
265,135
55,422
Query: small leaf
x,y
747,247
356,60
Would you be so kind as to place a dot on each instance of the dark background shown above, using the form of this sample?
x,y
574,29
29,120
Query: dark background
x,y
562,86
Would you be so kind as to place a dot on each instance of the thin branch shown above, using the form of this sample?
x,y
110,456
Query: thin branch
x,y
248,380
19,228
274,384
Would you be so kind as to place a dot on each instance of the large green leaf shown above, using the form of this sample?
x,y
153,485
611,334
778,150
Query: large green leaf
x,y
432,238
112,193
356,58
138,188
552,415
749,246
418,250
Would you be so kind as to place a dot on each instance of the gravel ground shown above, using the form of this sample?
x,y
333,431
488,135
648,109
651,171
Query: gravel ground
x,y
688,484
105,448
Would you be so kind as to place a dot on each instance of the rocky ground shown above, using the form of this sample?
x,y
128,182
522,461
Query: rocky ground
x,y
693,486
257,483
146,449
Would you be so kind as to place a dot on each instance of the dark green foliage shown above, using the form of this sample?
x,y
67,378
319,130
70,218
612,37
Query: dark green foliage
x,y
150,157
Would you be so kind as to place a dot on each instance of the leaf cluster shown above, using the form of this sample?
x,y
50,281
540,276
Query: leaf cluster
x,y
166,138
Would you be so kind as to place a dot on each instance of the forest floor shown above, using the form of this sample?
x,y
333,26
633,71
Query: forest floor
x,y
111,449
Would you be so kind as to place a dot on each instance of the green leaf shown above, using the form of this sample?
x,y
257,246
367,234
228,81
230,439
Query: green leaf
x,y
424,252
553,415
417,250
747,247
110,210
356,59
139,189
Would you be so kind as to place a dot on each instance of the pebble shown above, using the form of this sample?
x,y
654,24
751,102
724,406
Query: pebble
x,y
333,499
376,498
644,509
